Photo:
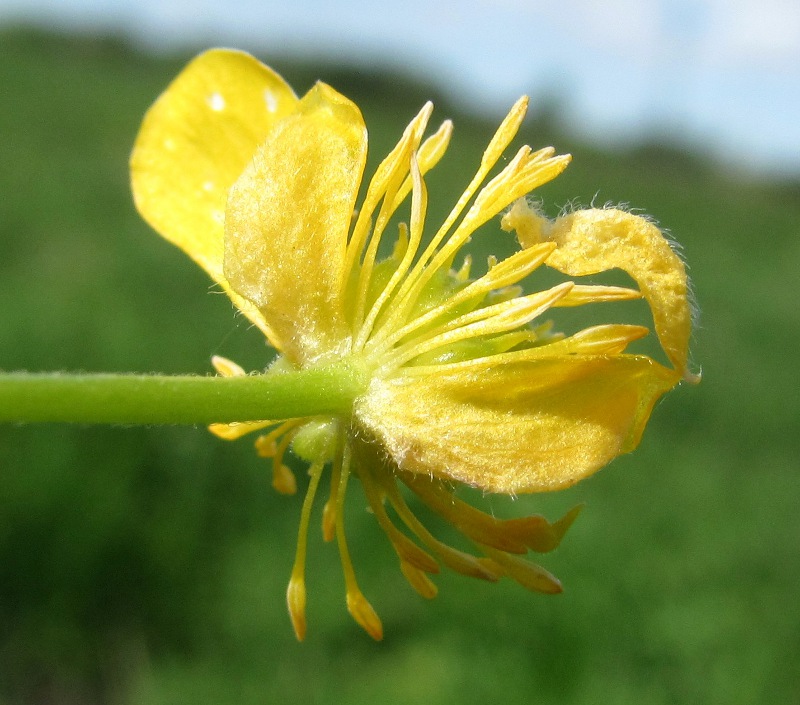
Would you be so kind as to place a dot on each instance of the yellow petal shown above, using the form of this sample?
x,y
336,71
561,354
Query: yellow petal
x,y
287,221
195,142
596,240
518,427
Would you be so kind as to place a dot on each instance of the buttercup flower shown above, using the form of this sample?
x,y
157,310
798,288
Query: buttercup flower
x,y
462,382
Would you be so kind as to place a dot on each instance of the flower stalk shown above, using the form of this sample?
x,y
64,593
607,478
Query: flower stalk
x,y
179,399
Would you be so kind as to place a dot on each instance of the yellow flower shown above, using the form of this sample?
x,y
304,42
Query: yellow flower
x,y
462,381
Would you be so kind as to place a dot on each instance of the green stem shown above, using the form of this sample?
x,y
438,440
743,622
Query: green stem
x,y
157,399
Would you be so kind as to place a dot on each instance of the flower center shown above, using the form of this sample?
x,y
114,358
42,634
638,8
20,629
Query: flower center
x,y
454,318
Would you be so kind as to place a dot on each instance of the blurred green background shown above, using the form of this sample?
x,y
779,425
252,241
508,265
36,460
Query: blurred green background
x,y
148,565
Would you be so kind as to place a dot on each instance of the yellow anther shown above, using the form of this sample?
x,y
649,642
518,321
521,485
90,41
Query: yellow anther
x,y
462,275
360,609
296,602
419,580
296,592
234,431
226,367
266,447
283,479
329,521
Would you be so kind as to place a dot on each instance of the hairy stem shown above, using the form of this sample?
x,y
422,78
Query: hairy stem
x,y
183,399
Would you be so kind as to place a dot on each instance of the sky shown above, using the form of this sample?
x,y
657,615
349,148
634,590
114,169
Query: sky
x,y
719,76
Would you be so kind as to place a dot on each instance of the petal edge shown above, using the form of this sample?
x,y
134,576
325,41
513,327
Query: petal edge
x,y
195,141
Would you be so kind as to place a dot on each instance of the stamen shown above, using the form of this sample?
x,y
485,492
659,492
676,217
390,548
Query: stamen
x,y
462,275
358,606
235,430
296,603
365,615
283,479
419,580
609,339
401,244
476,525
502,138
518,176
489,320
456,560
226,367
518,179
330,512
419,204
385,184
328,522
428,156
505,294
406,550
296,592
509,271
508,535
530,575
368,262
505,133
437,259
377,186
497,145
266,446
582,294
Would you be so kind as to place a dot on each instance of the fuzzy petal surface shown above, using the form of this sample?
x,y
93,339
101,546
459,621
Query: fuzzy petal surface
x,y
596,240
287,222
194,143
517,427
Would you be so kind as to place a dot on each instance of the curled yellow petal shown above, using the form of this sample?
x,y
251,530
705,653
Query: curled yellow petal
x,y
529,426
597,240
287,221
194,143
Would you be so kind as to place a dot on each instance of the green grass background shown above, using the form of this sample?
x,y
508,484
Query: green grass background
x,y
148,565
